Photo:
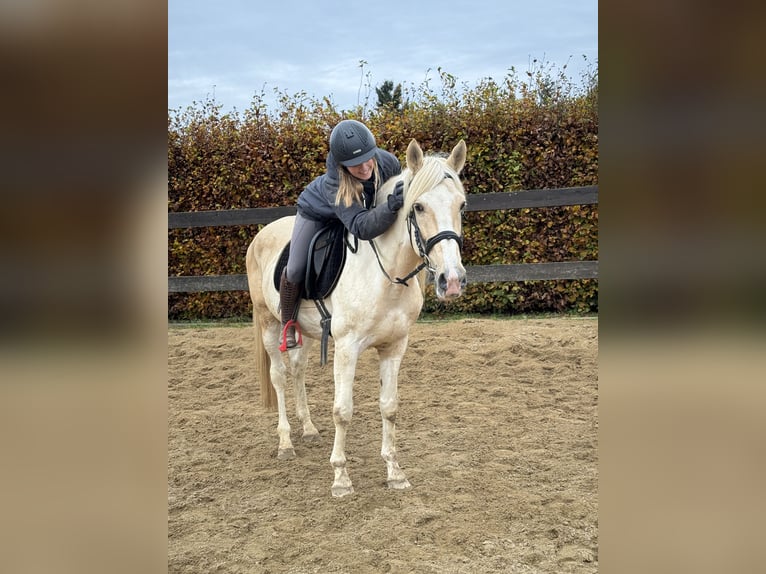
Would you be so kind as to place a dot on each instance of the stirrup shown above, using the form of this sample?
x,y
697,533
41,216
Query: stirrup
x,y
298,343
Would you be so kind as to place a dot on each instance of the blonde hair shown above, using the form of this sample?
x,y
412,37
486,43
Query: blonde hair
x,y
350,188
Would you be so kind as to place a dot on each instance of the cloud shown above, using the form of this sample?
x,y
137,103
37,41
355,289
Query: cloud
x,y
292,47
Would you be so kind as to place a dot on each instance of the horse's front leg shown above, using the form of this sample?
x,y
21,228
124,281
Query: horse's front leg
x,y
390,361
343,408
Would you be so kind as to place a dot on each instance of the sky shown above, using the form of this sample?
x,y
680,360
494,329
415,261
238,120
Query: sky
x,y
231,50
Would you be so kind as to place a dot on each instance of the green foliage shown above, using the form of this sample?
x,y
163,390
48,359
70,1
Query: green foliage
x,y
538,133
389,96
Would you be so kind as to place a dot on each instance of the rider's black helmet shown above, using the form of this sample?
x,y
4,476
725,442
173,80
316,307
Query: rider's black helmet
x,y
351,143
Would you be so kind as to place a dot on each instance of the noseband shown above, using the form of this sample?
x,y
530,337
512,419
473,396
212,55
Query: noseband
x,y
423,251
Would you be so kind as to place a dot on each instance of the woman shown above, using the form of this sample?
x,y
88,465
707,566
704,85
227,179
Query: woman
x,y
356,168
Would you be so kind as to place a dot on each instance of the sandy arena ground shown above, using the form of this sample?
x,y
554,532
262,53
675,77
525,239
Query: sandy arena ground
x,y
497,432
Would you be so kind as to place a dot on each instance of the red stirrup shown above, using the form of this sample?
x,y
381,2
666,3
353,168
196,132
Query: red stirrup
x,y
298,342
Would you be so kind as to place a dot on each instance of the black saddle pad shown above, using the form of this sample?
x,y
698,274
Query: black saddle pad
x,y
327,256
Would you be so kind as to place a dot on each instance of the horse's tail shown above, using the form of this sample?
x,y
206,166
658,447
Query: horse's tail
x,y
263,369
262,360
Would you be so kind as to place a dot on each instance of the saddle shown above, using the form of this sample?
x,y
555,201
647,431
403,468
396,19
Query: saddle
x,y
327,257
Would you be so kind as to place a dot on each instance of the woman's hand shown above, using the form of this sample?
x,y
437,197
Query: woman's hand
x,y
396,199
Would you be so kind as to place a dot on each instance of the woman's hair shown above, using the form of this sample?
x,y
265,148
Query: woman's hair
x,y
350,188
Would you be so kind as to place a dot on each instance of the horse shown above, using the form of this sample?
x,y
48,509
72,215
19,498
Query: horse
x,y
377,298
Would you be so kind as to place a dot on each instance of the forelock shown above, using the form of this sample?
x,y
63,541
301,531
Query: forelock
x,y
433,172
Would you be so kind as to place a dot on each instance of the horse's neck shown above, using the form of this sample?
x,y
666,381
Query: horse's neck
x,y
393,246
395,251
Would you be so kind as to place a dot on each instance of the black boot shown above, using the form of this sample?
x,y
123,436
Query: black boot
x,y
289,302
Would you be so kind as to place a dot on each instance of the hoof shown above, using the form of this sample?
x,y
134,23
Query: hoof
x,y
341,491
286,454
401,484
311,437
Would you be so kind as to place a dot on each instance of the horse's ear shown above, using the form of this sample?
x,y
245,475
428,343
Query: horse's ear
x,y
414,157
456,159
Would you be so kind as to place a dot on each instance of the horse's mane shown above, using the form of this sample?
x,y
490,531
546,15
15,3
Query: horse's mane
x,y
432,172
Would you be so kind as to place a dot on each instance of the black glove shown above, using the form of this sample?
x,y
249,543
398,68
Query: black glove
x,y
396,199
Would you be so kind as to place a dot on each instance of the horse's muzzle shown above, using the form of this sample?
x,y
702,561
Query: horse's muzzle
x,y
450,285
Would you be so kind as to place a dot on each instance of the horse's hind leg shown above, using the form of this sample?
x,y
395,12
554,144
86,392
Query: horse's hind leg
x,y
390,360
298,359
278,374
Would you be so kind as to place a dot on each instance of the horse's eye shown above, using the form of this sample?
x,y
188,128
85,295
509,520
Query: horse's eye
x,y
419,208
462,207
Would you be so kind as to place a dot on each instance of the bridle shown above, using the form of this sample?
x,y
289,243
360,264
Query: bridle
x,y
423,250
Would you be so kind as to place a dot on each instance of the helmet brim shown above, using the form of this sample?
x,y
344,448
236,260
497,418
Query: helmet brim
x,y
359,159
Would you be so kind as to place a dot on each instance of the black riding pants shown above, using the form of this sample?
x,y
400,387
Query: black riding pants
x,y
303,232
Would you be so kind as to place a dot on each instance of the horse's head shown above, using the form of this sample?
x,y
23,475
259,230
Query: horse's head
x,y
434,201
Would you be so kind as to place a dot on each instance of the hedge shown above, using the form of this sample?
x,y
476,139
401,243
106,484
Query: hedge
x,y
536,134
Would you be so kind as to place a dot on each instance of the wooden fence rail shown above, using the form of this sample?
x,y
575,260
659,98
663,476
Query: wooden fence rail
x,y
476,273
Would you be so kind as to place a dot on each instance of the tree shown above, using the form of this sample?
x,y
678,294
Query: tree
x,y
388,96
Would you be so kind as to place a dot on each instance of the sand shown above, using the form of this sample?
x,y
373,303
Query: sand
x,y
497,432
